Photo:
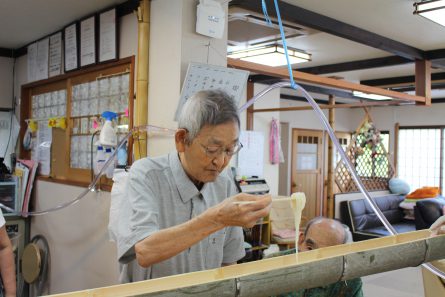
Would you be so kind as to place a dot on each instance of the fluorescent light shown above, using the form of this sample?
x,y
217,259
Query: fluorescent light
x,y
370,96
271,55
433,10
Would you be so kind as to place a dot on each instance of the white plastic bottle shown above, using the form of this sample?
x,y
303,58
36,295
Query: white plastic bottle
x,y
110,169
99,161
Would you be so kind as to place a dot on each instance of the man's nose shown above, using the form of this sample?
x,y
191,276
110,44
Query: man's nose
x,y
220,159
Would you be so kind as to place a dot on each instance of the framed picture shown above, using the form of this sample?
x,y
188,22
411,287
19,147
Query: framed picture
x,y
107,36
88,41
71,48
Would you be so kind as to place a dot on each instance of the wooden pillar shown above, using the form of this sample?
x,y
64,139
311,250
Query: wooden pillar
x,y
141,109
423,80
330,180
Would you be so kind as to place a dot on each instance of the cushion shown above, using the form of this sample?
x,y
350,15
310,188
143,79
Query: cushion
x,y
424,192
398,186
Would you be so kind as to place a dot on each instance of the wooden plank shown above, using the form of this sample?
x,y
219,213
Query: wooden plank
x,y
291,272
423,80
320,80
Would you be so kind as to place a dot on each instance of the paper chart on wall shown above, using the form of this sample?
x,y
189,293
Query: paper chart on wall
x,y
251,156
204,77
44,140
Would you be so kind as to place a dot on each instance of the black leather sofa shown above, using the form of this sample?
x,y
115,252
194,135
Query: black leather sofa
x,y
365,224
427,211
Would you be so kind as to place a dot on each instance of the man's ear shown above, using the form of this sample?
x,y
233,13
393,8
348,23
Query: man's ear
x,y
300,238
180,140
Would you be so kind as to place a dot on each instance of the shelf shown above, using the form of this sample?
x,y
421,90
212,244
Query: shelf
x,y
260,247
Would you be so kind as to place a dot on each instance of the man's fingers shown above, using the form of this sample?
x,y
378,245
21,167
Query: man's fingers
x,y
439,222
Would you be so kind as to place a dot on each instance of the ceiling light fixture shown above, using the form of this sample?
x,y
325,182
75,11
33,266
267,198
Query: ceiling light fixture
x,y
370,96
433,10
271,55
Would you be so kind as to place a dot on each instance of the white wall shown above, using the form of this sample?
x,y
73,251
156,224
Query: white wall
x,y
173,44
82,257
6,75
261,123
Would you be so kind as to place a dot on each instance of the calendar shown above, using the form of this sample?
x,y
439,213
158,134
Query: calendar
x,y
204,77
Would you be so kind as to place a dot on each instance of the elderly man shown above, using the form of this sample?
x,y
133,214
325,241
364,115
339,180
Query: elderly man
x,y
183,213
7,268
323,232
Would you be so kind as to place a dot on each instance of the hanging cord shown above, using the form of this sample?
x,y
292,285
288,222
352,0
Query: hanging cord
x,y
266,15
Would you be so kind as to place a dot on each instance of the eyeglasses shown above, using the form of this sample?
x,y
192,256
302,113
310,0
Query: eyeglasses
x,y
216,151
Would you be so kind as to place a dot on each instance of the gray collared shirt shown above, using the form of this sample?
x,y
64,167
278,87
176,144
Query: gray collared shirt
x,y
160,195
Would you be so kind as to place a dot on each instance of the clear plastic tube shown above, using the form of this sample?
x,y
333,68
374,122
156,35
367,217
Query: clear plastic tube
x,y
91,186
344,158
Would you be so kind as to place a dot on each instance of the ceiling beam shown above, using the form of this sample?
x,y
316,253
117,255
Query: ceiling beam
x,y
6,52
436,79
267,79
357,65
281,72
295,14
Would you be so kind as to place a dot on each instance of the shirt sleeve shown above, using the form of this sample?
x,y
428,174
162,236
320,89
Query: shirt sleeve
x,y
233,245
138,217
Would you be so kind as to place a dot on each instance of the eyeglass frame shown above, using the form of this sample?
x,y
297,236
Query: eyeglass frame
x,y
221,150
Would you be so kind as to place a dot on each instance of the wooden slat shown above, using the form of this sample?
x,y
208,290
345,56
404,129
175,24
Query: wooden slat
x,y
291,272
320,80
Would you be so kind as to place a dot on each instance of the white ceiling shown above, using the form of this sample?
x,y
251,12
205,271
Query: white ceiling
x,y
24,21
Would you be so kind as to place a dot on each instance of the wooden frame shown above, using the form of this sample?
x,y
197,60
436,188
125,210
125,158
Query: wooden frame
x,y
323,81
103,40
87,41
71,47
60,165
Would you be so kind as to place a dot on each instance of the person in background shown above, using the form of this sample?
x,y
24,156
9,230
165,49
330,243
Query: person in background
x,y
323,232
7,267
182,212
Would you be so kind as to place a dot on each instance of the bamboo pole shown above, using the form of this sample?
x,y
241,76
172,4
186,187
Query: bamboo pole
x,y
141,112
290,273
330,181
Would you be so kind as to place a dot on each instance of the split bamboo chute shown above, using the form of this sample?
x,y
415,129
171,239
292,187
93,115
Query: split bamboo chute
x,y
284,274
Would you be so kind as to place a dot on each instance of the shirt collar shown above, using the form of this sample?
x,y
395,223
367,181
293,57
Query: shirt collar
x,y
187,190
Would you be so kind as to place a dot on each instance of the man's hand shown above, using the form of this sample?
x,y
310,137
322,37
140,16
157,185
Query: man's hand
x,y
242,210
438,227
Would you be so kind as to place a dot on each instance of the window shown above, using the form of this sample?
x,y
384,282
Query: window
x,y
79,97
419,160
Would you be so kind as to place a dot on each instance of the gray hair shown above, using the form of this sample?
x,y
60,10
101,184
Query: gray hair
x,y
208,107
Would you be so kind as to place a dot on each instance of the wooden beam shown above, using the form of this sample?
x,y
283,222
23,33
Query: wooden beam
x,y
423,80
357,65
290,273
327,106
320,80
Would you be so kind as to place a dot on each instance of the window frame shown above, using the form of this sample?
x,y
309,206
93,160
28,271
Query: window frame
x,y
61,172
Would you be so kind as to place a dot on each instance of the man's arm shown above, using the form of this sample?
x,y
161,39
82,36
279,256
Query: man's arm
x,y
7,268
169,242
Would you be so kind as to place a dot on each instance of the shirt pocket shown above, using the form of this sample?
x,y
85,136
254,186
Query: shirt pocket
x,y
215,248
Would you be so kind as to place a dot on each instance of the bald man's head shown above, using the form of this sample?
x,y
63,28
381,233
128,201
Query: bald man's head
x,y
321,232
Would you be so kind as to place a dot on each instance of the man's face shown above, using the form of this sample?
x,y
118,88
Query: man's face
x,y
205,158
